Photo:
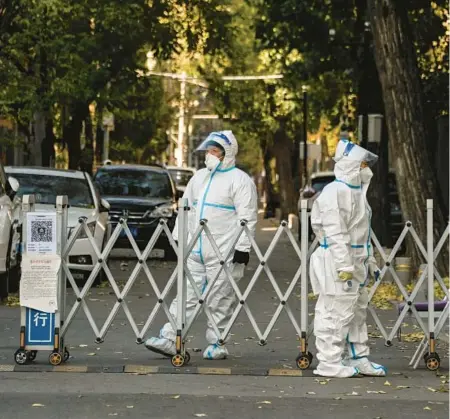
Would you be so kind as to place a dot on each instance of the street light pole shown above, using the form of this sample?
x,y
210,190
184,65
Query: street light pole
x,y
181,128
184,78
305,134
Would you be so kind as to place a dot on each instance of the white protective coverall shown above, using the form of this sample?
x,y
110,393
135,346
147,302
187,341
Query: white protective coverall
x,y
224,196
340,219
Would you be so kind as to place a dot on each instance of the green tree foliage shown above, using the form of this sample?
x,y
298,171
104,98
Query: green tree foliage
x,y
58,57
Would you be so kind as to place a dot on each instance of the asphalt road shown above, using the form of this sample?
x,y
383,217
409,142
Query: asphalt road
x,y
96,396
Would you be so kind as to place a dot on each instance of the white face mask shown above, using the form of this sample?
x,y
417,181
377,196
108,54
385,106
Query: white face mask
x,y
211,161
366,175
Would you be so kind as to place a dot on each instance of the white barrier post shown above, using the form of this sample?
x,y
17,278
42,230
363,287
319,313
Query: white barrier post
x,y
304,358
62,206
178,360
21,355
430,261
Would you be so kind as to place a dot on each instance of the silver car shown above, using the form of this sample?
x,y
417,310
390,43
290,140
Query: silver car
x,y
311,192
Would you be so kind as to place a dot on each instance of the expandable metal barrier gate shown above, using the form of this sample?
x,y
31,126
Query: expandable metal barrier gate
x,y
181,275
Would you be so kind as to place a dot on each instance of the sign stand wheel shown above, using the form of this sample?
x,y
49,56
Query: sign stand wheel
x,y
66,355
55,358
178,360
303,361
32,355
21,357
432,361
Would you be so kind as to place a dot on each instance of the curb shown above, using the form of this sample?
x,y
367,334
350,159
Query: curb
x,y
149,370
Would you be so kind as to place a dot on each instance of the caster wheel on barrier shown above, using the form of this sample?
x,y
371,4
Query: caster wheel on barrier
x,y
32,355
304,361
432,361
178,360
55,358
187,357
66,355
21,357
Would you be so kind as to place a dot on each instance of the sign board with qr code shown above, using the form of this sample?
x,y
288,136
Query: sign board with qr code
x,y
39,282
41,233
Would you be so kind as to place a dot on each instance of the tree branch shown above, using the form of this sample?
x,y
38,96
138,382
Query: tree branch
x,y
15,62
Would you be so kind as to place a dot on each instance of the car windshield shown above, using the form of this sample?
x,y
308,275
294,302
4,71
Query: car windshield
x,y
181,177
46,188
145,184
320,182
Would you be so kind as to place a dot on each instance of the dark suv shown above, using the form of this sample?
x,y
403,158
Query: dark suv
x,y
144,194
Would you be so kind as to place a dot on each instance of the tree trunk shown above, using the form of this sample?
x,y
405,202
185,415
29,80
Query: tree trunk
x,y
48,144
88,152
378,193
370,101
38,138
72,133
283,151
99,135
268,181
399,76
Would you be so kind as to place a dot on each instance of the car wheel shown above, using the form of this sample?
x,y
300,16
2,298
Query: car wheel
x,y
14,278
101,277
9,280
169,253
3,285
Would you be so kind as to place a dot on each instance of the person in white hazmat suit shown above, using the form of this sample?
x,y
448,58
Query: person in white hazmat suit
x,y
224,195
341,266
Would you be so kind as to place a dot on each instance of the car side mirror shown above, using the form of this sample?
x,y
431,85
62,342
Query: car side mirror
x,y
14,185
104,205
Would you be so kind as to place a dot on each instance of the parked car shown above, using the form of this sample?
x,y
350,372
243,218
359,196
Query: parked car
x,y
9,237
396,221
145,194
181,176
318,181
84,201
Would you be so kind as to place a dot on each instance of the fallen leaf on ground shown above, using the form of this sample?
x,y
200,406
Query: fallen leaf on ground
x,y
130,407
427,408
311,392
200,415
412,337
353,393
175,397
38,405
387,383
12,301
264,402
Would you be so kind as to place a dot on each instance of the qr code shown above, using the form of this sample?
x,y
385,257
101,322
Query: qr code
x,y
41,231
